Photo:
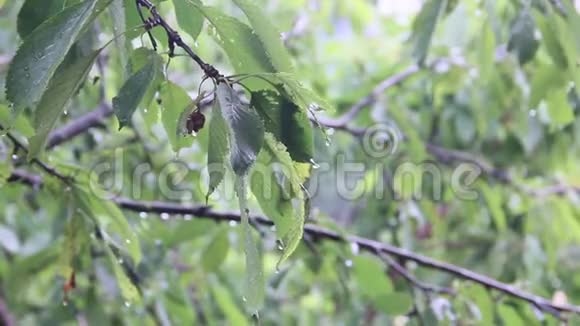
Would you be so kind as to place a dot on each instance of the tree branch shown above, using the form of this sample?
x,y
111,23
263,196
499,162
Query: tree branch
x,y
173,38
320,233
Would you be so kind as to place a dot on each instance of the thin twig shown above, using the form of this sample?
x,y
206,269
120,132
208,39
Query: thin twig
x,y
174,39
48,169
427,288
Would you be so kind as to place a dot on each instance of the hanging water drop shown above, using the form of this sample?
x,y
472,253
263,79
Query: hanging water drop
x,y
127,241
314,164
164,216
348,263
188,217
127,304
143,215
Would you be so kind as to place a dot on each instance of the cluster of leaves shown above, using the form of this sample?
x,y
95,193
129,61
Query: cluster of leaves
x,y
273,128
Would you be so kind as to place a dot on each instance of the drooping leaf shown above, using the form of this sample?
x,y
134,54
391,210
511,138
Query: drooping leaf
x,y
268,35
276,191
75,237
35,12
255,283
188,17
228,306
286,122
111,221
42,52
218,149
551,39
174,100
493,200
522,40
129,291
246,129
216,251
61,88
133,92
424,27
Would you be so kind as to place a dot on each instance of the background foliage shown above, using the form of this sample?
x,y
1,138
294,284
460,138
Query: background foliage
x,y
489,83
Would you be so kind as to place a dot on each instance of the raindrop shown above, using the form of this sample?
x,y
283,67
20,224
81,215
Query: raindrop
x,y
120,260
146,110
14,156
533,113
314,164
280,246
188,217
65,303
127,241
244,299
65,112
348,263
143,215
195,44
233,223
127,304
164,216
354,248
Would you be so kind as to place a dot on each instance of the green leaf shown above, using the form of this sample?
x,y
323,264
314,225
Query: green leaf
x,y
268,34
35,12
133,92
559,109
5,171
129,291
188,17
304,98
286,121
241,44
509,316
424,27
370,276
246,129
493,198
394,303
75,236
255,283
174,100
550,39
546,78
224,300
216,251
42,52
218,148
274,193
522,40
111,221
61,88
